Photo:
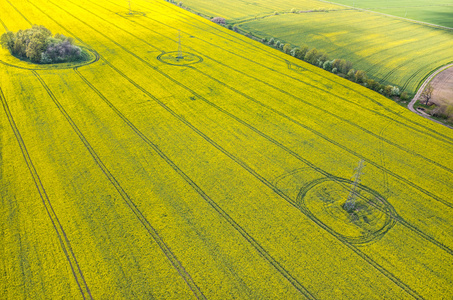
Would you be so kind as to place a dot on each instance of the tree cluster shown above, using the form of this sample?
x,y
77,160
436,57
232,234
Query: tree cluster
x,y
39,46
444,111
218,20
341,67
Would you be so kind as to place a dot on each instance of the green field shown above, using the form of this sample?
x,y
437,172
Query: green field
x,y
221,175
391,50
239,10
438,12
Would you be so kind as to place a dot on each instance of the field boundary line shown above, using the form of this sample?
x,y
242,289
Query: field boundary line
x,y
444,138
382,270
420,91
297,156
286,149
385,272
399,177
151,230
61,234
297,123
247,125
282,91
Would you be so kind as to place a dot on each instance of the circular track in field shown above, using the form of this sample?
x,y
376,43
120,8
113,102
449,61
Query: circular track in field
x,y
177,59
370,219
7,59
131,14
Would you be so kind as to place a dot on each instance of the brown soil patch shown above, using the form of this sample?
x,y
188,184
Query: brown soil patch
x,y
443,87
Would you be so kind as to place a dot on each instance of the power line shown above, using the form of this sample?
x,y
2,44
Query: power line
x,y
349,205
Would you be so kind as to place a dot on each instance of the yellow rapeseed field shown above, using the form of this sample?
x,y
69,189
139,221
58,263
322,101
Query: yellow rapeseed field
x,y
217,172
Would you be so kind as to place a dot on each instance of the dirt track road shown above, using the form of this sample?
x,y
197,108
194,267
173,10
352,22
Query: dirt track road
x,y
419,92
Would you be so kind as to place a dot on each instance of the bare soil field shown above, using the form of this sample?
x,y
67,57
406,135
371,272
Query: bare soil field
x,y
443,87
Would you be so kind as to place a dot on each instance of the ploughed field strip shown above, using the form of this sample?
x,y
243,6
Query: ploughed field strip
x,y
219,171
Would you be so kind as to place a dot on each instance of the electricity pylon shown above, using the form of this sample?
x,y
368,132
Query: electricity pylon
x,y
130,10
349,205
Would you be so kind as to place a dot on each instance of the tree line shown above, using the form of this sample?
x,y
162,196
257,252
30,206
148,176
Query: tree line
x,y
341,67
39,46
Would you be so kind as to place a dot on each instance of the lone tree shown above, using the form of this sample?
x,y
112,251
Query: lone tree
x,y
427,93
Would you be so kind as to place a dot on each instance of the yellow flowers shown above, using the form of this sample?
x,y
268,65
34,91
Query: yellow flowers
x,y
184,177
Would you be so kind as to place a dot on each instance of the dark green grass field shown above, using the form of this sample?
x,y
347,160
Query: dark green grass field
x,y
438,12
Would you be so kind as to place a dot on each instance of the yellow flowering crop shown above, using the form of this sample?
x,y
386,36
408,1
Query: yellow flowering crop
x,y
218,171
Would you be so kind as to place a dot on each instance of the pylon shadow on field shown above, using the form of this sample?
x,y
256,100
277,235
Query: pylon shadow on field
x,y
177,58
322,197
323,200
130,14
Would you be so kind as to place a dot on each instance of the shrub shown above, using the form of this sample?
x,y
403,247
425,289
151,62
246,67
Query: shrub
x,y
343,66
323,56
335,70
218,20
388,90
287,48
277,44
311,56
271,41
336,63
445,111
395,91
7,41
327,65
373,84
351,75
61,51
346,66
404,96
360,76
302,52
